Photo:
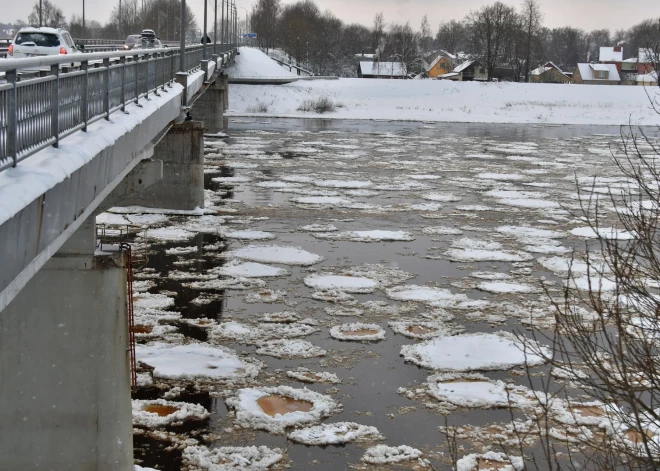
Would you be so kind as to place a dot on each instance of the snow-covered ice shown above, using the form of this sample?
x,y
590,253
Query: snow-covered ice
x,y
367,236
283,348
160,413
277,254
349,284
231,458
196,361
358,331
471,352
249,270
384,454
335,434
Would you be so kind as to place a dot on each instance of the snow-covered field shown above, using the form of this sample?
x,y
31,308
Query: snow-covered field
x,y
439,100
269,327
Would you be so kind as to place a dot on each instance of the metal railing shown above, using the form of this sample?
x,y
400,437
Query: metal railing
x,y
64,94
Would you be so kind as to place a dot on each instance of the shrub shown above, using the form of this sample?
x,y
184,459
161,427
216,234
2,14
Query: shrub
x,y
260,107
320,105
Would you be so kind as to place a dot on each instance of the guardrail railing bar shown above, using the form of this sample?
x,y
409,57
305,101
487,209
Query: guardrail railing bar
x,y
64,101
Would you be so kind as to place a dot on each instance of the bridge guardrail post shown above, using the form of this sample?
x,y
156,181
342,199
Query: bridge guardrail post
x,y
85,104
12,129
106,96
147,63
55,108
171,54
122,61
137,79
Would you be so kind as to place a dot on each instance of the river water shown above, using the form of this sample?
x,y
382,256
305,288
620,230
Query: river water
x,y
451,190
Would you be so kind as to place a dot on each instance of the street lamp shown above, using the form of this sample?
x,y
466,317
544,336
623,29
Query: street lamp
x,y
83,21
182,42
204,33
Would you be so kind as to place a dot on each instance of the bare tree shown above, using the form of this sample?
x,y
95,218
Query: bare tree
x,y
51,15
378,33
532,18
451,36
490,31
425,36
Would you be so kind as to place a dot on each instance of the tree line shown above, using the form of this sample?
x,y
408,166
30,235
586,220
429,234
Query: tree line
x,y
498,35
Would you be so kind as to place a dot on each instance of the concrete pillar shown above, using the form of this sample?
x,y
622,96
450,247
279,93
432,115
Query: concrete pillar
x,y
222,80
209,108
64,368
182,79
182,187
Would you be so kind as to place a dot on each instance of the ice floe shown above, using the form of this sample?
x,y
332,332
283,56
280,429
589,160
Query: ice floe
x,y
349,284
196,361
491,461
173,234
441,230
358,331
384,454
440,297
319,228
249,270
501,287
276,408
471,352
160,413
367,236
277,254
419,329
308,376
249,235
602,232
335,434
477,391
441,197
284,348
231,458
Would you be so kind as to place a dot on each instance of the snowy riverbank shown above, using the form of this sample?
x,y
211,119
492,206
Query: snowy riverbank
x,y
441,101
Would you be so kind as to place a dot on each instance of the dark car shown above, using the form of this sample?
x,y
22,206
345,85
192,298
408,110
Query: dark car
x,y
148,40
131,40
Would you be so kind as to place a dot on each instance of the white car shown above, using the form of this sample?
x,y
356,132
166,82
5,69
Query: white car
x,y
35,42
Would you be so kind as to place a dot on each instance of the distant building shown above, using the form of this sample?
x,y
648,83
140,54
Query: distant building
x,y
611,55
648,80
383,70
442,64
549,73
596,74
468,71
366,57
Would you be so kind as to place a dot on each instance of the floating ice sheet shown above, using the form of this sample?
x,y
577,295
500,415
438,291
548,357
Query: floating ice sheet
x,y
335,434
277,254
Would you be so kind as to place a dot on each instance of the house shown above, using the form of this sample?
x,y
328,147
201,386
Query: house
x,y
596,74
440,66
383,70
648,80
646,59
611,55
549,73
466,72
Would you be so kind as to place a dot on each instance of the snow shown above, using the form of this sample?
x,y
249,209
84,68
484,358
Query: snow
x,y
249,270
476,255
195,361
335,434
254,63
184,412
42,171
446,101
308,376
343,332
249,413
470,352
441,230
439,296
367,236
249,235
277,254
181,250
231,458
283,348
501,287
383,454
319,228
349,284
606,233
476,391
441,197
174,234
472,462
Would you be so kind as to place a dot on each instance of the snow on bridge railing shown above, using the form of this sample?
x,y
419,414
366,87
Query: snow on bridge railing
x,y
45,99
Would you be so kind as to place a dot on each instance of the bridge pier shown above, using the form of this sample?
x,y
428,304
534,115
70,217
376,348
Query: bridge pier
x,y
182,187
64,366
209,108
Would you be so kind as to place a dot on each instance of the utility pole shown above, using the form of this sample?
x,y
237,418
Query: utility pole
x,y
119,30
41,15
204,34
83,25
222,23
182,43
215,28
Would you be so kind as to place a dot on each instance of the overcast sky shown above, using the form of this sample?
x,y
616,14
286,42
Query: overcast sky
x,y
586,14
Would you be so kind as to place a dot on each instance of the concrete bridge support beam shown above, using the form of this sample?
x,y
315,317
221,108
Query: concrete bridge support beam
x,y
64,366
209,107
182,187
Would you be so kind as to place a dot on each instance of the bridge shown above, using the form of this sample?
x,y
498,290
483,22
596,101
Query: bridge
x,y
75,139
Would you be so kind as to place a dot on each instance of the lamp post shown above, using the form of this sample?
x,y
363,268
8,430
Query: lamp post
x,y
215,28
246,23
41,17
222,23
119,25
182,33
204,33
83,20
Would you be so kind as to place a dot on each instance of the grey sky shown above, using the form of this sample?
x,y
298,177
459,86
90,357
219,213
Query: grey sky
x,y
586,14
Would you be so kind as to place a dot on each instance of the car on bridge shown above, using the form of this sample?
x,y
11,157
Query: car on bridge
x,y
148,40
131,39
35,42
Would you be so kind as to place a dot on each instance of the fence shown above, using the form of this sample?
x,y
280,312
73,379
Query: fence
x,y
72,92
